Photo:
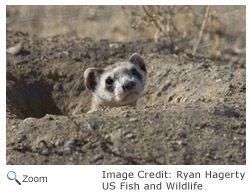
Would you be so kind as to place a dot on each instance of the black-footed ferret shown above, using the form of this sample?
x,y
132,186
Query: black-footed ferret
x,y
120,84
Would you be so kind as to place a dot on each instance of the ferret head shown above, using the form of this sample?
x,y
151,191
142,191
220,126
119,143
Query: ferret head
x,y
119,84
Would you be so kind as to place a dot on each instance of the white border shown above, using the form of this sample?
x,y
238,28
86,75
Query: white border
x,y
87,179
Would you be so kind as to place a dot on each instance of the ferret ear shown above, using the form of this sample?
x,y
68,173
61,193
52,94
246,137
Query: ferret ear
x,y
91,77
139,61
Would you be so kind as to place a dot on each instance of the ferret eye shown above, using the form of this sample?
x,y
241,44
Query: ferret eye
x,y
134,72
109,81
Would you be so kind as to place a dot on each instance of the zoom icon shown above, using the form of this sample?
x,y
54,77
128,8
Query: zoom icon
x,y
11,175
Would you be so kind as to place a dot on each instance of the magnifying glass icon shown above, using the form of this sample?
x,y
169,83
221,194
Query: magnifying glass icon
x,y
11,175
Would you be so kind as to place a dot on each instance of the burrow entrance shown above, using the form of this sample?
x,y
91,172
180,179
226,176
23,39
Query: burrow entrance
x,y
27,98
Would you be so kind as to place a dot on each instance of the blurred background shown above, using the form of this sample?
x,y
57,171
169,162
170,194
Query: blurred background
x,y
208,30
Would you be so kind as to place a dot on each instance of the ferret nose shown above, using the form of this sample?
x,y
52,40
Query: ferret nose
x,y
128,86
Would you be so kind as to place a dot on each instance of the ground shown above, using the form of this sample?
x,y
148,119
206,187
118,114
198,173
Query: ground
x,y
193,110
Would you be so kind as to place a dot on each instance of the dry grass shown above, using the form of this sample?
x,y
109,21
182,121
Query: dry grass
x,y
192,29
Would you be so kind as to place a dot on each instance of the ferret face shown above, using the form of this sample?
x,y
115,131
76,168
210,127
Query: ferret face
x,y
118,85
122,85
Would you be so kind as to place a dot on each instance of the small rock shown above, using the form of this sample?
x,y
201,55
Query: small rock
x,y
92,111
133,120
114,45
218,80
29,120
159,74
89,127
66,53
202,99
130,136
203,66
126,115
45,152
165,86
185,99
8,159
177,100
40,144
21,138
49,117
57,143
97,157
68,147
15,50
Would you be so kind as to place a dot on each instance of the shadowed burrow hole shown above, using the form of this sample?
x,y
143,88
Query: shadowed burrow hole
x,y
26,98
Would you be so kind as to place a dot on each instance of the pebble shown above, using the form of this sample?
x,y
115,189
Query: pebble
x,y
126,115
29,119
57,142
159,74
66,53
15,50
49,117
133,120
97,157
42,144
21,138
69,147
185,99
92,111
8,160
165,86
45,151
130,136
177,100
89,127
114,45
202,99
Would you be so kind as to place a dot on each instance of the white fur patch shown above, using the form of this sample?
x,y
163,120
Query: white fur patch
x,y
118,96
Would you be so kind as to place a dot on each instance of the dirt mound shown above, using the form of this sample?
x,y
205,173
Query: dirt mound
x,y
192,111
